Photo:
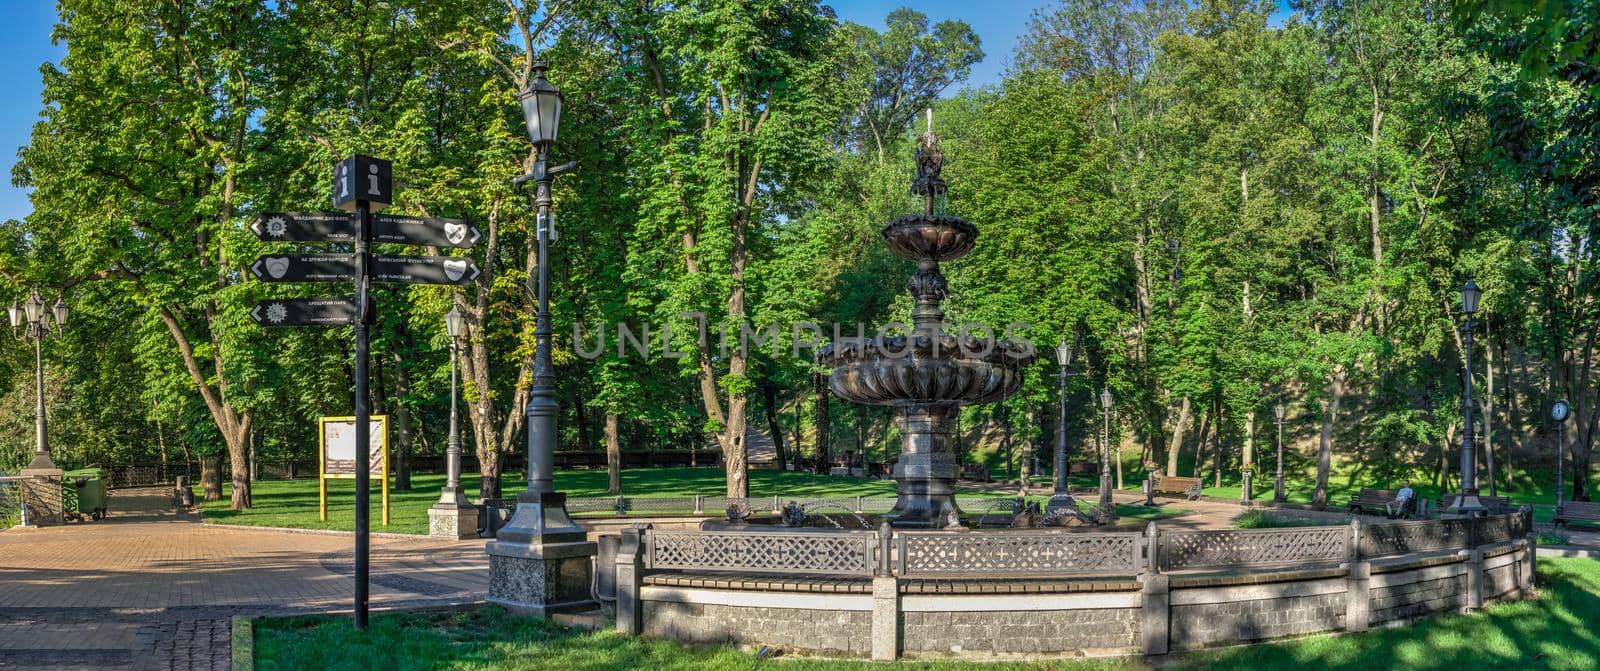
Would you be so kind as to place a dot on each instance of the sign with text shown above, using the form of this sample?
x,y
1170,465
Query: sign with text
x,y
339,446
305,312
305,227
430,231
424,269
305,268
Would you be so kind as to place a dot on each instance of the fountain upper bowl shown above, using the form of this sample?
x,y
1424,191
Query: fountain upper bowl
x,y
933,237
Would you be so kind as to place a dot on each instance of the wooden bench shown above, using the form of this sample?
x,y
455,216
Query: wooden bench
x,y
1188,488
1583,511
1373,499
975,472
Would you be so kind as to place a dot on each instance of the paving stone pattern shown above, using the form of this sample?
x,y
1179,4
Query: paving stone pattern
x,y
152,588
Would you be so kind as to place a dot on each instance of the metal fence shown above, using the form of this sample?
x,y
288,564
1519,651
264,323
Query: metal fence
x,y
10,501
1045,553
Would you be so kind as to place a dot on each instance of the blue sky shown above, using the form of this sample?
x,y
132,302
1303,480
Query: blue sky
x,y
26,44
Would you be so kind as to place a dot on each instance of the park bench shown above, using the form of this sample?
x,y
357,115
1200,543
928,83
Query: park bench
x,y
1583,511
1188,488
1373,499
975,472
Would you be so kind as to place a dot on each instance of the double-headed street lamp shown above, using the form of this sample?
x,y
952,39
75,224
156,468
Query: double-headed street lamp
x,y
541,540
1467,503
1278,413
1108,509
37,319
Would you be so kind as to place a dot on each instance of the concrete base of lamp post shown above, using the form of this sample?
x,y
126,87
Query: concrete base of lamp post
x,y
41,493
540,562
455,521
1465,504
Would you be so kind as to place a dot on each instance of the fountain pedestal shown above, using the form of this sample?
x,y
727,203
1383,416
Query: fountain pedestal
x,y
927,469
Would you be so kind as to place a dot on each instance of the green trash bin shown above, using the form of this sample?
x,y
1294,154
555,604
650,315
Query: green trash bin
x,y
84,493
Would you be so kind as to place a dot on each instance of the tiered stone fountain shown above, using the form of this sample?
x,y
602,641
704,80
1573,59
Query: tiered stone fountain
x,y
930,373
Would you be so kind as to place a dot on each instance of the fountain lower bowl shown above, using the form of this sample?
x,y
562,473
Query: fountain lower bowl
x,y
925,370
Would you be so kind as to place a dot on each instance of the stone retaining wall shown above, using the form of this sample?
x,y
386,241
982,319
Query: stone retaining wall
x,y
842,633
888,616
1205,625
1018,632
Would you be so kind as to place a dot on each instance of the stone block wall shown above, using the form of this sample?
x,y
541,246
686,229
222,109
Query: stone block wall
x,y
1418,598
938,633
1499,580
843,633
1201,625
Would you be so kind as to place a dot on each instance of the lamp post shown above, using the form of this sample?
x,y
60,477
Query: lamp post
x,y
540,540
1108,509
41,494
37,321
1062,498
1559,412
1278,412
453,516
1466,503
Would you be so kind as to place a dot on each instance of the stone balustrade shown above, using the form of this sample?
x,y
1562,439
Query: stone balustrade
x,y
1000,594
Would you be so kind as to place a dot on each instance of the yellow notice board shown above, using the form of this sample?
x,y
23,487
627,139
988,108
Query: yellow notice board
x,y
336,455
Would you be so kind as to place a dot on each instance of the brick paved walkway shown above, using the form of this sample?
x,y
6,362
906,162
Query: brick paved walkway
x,y
152,588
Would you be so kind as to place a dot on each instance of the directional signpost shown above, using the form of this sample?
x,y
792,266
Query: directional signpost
x,y
305,268
362,185
305,312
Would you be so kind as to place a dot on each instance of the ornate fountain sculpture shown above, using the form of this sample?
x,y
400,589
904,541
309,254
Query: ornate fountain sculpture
x,y
930,373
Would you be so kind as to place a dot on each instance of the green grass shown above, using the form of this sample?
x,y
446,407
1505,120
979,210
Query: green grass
x,y
293,503
1261,519
1552,632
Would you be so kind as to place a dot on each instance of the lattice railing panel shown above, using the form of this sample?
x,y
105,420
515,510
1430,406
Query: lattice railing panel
x,y
1397,538
590,504
785,551
1249,547
1005,553
660,503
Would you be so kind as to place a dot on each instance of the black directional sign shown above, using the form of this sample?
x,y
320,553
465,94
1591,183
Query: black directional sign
x,y
424,269
424,231
305,268
305,227
305,312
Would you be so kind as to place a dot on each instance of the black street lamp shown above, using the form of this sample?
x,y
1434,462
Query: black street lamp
x,y
1062,498
1559,413
1108,509
32,312
1467,503
1278,412
453,505
541,540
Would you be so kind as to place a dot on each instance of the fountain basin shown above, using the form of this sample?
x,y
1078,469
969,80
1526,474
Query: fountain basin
x,y
901,371
935,237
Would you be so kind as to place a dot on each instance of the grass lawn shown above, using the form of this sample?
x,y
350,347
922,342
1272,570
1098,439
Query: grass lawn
x,y
1552,632
293,503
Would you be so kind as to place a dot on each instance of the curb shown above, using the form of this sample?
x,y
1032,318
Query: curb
x,y
1568,551
324,532
244,643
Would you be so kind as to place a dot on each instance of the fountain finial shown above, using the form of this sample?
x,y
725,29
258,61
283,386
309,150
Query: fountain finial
x,y
930,161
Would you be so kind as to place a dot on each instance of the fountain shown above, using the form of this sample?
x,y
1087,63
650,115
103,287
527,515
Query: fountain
x,y
927,374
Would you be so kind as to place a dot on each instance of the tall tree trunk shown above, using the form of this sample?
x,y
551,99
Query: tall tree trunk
x,y
613,456
1488,408
211,476
1330,415
1207,418
769,394
403,435
819,387
1177,436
